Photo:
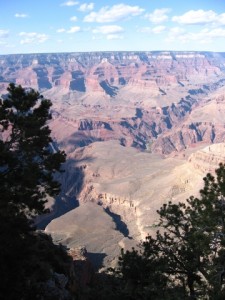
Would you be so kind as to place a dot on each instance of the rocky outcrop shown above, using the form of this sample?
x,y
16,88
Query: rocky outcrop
x,y
64,80
203,123
187,136
89,225
80,275
82,272
27,77
209,158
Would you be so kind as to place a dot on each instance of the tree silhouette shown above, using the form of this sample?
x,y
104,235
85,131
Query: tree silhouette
x,y
28,163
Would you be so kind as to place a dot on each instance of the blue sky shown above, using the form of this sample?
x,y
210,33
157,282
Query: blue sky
x,y
28,26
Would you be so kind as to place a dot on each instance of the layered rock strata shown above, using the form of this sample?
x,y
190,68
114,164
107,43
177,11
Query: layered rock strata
x,y
105,70
142,99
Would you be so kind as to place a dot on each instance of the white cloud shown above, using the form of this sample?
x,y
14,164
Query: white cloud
x,y
70,3
73,19
86,7
33,38
176,31
74,29
158,29
158,15
4,33
215,33
221,19
203,36
60,30
114,37
111,32
113,14
108,29
197,17
17,15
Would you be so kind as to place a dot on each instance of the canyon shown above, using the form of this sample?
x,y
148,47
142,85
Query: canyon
x,y
139,129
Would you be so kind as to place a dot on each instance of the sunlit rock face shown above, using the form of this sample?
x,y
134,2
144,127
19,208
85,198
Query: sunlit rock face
x,y
139,129
142,99
138,98
157,73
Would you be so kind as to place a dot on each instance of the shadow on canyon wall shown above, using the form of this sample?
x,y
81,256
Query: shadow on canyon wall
x,y
120,225
96,259
82,138
71,180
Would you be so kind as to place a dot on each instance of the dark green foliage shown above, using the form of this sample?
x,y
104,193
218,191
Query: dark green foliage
x,y
27,162
186,258
27,168
45,259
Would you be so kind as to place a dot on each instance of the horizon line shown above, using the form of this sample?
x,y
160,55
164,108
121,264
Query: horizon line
x,y
114,51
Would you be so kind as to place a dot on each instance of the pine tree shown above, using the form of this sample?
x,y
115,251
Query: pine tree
x,y
27,160
28,163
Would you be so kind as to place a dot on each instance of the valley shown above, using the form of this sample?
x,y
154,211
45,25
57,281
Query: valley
x,y
139,129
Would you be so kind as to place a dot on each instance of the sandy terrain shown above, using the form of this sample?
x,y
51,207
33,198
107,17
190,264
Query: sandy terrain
x,y
122,189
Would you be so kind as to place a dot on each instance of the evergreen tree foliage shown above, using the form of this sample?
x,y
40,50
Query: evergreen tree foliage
x,y
27,161
186,257
28,164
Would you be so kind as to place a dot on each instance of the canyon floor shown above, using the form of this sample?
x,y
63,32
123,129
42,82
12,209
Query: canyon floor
x,y
121,190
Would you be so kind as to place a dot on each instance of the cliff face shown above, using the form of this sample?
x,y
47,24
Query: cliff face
x,y
107,72
204,124
209,158
164,130
143,99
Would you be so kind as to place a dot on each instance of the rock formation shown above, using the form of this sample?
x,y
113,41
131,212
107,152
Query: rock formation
x,y
208,159
142,99
89,71
91,226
